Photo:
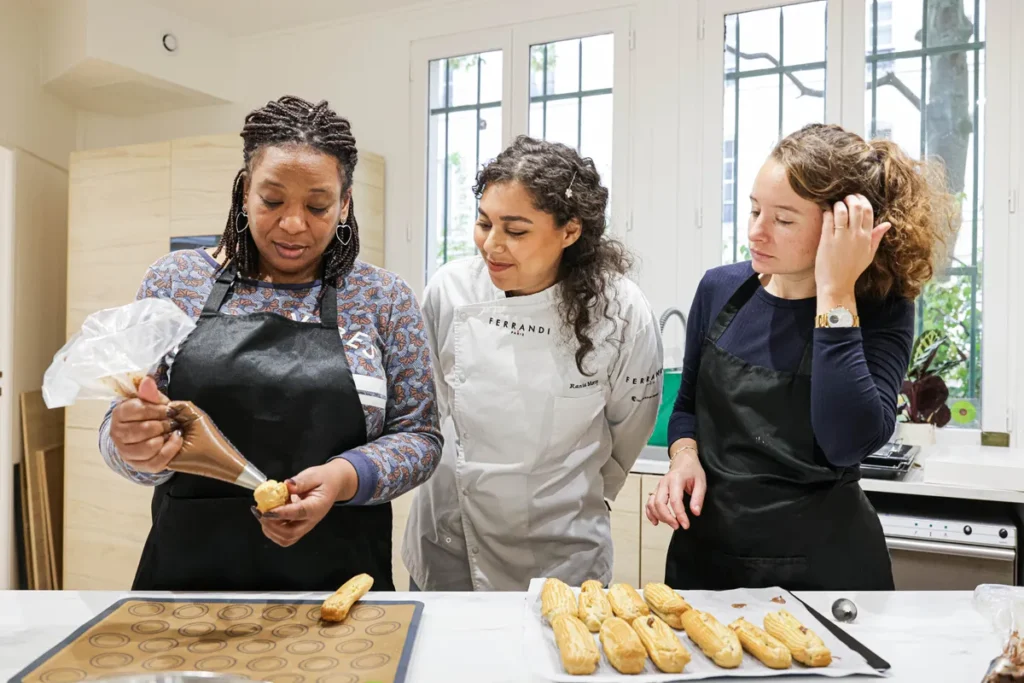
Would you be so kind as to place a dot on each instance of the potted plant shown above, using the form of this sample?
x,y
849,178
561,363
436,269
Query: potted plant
x,y
923,407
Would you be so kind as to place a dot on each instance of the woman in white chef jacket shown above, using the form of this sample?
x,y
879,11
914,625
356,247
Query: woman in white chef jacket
x,y
548,371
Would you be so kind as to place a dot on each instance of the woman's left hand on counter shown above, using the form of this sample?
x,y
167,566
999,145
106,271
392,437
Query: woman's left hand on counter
x,y
313,492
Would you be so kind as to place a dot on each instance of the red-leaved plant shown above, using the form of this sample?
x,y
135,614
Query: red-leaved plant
x,y
924,390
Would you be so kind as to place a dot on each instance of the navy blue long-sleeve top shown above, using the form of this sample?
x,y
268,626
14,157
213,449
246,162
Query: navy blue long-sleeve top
x,y
856,373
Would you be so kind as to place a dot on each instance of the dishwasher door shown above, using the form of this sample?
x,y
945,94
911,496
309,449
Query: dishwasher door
x,y
929,565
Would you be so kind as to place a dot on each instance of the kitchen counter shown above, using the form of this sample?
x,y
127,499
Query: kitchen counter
x,y
474,637
653,460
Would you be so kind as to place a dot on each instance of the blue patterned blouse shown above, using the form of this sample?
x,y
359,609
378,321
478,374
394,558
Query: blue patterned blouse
x,y
387,351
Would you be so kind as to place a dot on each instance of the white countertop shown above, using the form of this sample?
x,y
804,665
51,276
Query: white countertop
x,y
475,637
654,461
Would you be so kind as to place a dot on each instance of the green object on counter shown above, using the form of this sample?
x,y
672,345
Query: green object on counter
x,y
671,381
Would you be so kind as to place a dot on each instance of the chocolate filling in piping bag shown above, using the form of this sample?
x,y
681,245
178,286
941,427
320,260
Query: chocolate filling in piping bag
x,y
206,452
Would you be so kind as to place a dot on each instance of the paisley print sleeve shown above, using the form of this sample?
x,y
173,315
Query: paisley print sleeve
x,y
162,280
409,448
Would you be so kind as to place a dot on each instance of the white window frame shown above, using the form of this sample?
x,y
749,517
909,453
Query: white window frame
x,y
617,22
515,42
844,104
712,17
423,52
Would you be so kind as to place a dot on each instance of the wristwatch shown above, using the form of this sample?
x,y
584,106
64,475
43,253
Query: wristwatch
x,y
837,317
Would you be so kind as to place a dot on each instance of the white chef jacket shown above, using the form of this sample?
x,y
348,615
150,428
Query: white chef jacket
x,y
532,446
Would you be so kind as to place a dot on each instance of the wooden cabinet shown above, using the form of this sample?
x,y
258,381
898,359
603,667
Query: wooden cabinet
x,y
125,205
654,540
625,520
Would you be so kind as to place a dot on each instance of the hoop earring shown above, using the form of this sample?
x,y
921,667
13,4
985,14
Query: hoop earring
x,y
337,233
245,218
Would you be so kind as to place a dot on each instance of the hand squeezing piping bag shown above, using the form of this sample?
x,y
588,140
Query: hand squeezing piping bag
x,y
206,452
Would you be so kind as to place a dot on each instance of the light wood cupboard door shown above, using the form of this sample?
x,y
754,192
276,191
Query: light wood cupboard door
x,y
625,522
400,515
118,223
654,540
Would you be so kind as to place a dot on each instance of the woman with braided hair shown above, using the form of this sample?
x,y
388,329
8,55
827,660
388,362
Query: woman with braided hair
x,y
548,369
312,363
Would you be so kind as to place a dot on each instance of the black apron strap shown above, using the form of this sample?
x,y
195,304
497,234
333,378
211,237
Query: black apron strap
x,y
735,303
805,362
219,293
329,308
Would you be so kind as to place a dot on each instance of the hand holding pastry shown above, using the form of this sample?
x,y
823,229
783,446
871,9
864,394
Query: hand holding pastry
x,y
337,606
269,495
313,492
594,605
805,645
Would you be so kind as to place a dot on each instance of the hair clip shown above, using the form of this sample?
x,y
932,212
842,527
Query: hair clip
x,y
568,190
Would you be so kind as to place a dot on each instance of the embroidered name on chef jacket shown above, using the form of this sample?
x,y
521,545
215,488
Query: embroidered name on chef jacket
x,y
519,329
643,383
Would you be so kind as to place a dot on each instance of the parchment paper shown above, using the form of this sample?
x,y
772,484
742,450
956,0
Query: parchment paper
x,y
540,645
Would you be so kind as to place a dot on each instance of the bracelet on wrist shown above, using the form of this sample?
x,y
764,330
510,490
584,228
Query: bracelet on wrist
x,y
672,454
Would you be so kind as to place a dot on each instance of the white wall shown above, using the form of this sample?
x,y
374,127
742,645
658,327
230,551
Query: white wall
x,y
362,68
30,118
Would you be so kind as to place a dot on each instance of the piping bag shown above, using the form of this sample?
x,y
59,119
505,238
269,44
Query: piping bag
x,y
111,355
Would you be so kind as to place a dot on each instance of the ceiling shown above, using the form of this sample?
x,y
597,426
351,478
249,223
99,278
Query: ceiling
x,y
249,17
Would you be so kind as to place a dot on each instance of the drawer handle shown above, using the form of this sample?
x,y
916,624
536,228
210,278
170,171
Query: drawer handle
x,y
963,550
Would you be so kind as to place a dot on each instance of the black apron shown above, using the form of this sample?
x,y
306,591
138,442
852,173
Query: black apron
x,y
775,514
281,392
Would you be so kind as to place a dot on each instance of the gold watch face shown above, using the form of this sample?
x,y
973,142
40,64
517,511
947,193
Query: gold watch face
x,y
839,317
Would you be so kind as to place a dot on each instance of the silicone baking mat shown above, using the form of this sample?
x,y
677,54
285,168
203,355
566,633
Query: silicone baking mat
x,y
849,657
282,641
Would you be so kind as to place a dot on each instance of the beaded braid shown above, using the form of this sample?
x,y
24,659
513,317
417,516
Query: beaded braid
x,y
292,120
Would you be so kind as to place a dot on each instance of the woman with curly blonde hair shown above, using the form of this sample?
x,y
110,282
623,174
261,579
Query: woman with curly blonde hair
x,y
793,364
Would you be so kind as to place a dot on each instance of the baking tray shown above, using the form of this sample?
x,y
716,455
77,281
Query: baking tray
x,y
850,657
259,639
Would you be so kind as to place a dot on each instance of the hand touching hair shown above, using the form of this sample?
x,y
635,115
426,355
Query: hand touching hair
x,y
825,163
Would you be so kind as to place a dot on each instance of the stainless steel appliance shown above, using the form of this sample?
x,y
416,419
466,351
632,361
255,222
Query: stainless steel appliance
x,y
943,552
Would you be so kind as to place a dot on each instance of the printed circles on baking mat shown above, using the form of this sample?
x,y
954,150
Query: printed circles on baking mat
x,y
353,647
190,611
197,629
257,646
373,661
65,675
317,664
279,612
267,664
235,613
154,645
367,613
216,663
146,609
164,663
337,631
109,641
150,627
111,660
383,628
246,630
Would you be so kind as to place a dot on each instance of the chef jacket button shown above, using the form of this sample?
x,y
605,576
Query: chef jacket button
x,y
447,539
476,551
465,492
